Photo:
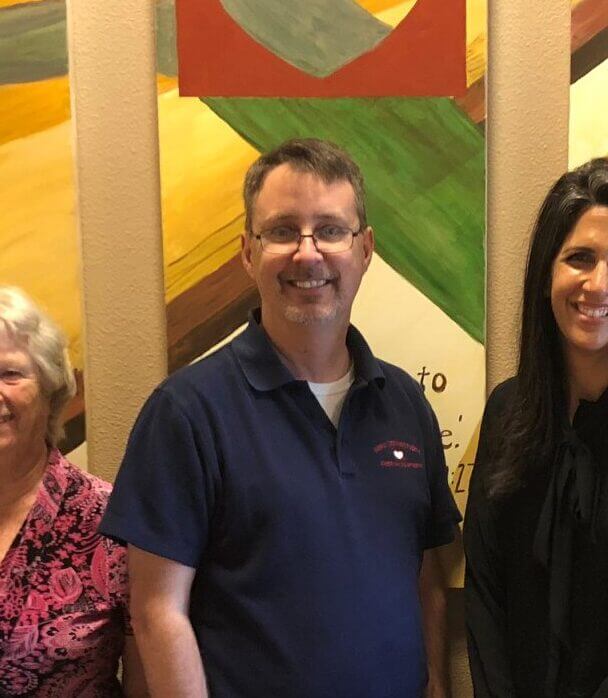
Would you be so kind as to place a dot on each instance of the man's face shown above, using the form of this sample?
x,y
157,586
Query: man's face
x,y
306,286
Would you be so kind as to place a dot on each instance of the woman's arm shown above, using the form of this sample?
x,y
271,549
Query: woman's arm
x,y
484,581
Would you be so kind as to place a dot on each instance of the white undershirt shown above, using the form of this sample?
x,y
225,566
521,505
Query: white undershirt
x,y
331,395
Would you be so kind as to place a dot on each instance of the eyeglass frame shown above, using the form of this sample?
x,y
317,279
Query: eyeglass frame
x,y
353,233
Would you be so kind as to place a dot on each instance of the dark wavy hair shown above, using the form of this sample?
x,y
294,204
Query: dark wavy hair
x,y
537,416
321,158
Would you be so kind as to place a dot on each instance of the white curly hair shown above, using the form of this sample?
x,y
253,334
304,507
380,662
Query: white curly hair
x,y
32,330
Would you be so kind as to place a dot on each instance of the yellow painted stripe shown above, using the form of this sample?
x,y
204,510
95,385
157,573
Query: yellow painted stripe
x,y
10,3
164,83
477,20
39,242
33,107
394,13
375,6
202,163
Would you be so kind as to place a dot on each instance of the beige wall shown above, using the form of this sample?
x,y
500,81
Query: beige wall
x,y
114,107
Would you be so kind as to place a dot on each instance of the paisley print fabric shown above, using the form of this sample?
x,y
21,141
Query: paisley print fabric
x,y
63,594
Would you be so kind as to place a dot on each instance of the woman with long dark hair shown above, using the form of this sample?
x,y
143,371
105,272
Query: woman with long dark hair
x,y
536,528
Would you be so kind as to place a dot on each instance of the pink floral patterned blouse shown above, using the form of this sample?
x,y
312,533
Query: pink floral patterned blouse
x,y
63,594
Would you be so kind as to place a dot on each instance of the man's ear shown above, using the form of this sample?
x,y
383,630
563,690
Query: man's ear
x,y
246,253
369,245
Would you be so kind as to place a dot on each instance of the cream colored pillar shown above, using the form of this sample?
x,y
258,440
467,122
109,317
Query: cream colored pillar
x,y
112,69
528,88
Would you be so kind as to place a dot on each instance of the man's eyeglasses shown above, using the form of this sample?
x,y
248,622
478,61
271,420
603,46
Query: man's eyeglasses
x,y
327,239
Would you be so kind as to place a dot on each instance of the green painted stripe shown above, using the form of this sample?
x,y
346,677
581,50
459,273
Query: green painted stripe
x,y
166,48
316,36
33,44
424,167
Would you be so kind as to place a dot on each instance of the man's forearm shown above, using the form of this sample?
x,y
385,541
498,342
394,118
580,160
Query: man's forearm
x,y
433,600
435,633
170,655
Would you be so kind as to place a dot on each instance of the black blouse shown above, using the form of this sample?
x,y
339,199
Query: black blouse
x,y
536,584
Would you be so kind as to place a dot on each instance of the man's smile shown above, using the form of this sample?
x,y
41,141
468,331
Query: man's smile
x,y
308,283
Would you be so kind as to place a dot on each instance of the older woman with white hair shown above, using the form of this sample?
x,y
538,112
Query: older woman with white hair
x,y
63,587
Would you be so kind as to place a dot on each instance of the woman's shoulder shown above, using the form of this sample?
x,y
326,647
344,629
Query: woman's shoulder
x,y
82,493
77,479
501,398
492,430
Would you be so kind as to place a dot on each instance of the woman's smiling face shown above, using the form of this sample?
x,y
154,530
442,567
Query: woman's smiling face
x,y
579,286
24,410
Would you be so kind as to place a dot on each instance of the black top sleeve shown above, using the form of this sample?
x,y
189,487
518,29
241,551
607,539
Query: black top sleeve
x,y
485,574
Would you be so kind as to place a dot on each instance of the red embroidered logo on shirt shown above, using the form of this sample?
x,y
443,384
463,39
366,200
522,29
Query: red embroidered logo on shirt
x,y
399,454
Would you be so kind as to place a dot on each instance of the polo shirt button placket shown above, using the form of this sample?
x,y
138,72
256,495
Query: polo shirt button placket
x,y
345,461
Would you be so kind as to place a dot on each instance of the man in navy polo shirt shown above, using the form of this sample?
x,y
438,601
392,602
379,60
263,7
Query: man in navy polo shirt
x,y
282,497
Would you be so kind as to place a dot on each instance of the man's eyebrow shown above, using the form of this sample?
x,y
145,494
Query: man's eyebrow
x,y
294,218
280,218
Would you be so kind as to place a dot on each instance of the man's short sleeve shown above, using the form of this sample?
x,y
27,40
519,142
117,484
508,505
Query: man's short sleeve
x,y
164,493
444,512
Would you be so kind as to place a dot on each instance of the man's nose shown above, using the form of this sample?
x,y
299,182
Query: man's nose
x,y
307,249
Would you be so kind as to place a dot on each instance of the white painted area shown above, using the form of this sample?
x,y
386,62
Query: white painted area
x,y
227,339
404,327
588,136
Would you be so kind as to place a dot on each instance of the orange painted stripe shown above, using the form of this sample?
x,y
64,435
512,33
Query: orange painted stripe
x,y
378,5
10,3
33,107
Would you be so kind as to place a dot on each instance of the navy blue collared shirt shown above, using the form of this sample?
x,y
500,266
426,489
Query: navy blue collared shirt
x,y
307,540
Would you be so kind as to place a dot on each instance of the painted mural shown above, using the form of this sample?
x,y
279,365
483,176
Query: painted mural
x,y
588,135
436,333
37,221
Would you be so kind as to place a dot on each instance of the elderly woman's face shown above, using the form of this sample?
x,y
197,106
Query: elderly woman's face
x,y
24,410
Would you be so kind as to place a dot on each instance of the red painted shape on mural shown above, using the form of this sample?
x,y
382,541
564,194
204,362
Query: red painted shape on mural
x,y
425,55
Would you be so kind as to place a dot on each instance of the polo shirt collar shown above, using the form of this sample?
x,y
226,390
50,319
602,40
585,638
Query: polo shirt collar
x,y
264,369
367,366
